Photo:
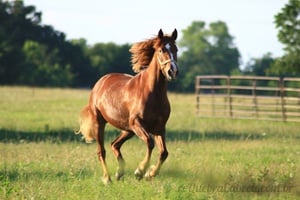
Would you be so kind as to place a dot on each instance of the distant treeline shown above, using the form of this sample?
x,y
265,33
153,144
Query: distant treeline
x,y
38,55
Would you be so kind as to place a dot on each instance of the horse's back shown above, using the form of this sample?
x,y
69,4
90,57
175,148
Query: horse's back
x,y
112,80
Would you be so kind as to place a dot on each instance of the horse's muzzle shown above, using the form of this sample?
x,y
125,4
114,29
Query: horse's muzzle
x,y
173,71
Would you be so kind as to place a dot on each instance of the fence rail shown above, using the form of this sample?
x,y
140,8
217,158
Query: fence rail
x,y
249,97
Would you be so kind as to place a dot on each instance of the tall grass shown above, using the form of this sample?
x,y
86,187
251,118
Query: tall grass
x,y
41,158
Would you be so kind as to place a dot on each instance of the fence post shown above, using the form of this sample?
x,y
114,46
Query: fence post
x,y
213,96
282,95
197,86
254,82
228,80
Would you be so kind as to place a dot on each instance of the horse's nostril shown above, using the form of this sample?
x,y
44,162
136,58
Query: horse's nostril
x,y
170,73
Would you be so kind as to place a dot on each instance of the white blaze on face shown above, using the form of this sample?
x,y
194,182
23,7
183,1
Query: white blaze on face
x,y
173,62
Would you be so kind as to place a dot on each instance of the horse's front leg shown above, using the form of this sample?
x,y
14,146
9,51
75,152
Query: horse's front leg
x,y
160,142
142,133
141,170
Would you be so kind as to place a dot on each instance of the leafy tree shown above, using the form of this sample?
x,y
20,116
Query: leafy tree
x,y
288,24
206,51
43,68
260,66
17,22
109,57
22,38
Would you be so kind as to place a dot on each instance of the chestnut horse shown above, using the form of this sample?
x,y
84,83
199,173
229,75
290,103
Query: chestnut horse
x,y
134,104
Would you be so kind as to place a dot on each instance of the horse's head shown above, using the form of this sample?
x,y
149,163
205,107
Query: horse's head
x,y
166,52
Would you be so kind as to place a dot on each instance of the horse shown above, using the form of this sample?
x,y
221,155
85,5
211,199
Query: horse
x,y
137,105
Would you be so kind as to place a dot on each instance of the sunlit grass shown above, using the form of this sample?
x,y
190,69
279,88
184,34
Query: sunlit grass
x,y
71,170
37,109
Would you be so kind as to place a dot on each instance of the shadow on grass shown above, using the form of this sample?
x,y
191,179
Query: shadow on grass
x,y
220,135
55,136
16,174
68,135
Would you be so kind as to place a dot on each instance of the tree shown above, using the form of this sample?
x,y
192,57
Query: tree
x,y
288,24
30,51
110,57
206,51
43,67
260,66
17,23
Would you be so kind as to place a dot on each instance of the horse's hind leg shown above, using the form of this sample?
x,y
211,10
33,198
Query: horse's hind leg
x,y
101,151
116,146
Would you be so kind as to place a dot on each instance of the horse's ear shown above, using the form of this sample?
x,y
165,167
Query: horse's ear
x,y
160,34
174,34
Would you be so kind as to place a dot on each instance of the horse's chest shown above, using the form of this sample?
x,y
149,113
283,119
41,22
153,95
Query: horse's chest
x,y
156,113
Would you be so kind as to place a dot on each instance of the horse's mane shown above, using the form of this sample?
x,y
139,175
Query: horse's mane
x,y
142,53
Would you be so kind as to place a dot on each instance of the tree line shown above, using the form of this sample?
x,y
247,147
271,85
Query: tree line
x,y
38,55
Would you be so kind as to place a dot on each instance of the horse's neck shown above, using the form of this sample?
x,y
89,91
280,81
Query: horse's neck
x,y
155,79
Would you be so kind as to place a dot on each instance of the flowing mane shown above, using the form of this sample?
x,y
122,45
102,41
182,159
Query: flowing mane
x,y
142,53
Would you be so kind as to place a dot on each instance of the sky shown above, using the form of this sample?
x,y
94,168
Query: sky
x,y
250,22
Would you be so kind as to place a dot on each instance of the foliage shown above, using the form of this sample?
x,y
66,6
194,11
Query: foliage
x,y
109,57
43,67
36,54
23,39
13,22
288,23
287,65
260,66
206,51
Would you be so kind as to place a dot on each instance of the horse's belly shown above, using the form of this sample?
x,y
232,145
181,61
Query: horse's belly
x,y
115,115
119,121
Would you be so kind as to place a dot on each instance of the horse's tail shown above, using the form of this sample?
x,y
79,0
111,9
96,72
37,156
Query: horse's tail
x,y
86,124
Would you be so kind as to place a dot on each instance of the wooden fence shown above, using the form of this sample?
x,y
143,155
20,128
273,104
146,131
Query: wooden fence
x,y
248,97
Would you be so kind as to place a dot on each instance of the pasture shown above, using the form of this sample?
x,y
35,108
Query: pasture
x,y
42,158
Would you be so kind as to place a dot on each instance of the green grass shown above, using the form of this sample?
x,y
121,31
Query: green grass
x,y
42,158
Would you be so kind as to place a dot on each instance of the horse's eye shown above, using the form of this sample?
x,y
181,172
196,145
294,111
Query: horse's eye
x,y
162,50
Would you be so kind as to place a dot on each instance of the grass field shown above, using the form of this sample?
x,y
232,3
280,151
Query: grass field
x,y
42,158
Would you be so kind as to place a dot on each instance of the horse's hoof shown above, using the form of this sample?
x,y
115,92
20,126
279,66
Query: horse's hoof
x,y
138,174
147,176
106,180
150,173
119,175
